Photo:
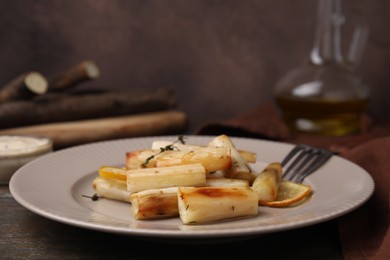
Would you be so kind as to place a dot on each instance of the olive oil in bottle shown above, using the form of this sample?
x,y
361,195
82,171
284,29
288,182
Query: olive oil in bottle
x,y
327,117
324,95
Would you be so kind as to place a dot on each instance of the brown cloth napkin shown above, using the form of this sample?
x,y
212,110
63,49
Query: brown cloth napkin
x,y
364,233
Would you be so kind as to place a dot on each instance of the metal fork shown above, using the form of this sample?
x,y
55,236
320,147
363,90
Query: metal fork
x,y
303,160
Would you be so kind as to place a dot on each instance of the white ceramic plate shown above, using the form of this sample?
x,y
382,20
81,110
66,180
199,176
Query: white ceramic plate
x,y
53,186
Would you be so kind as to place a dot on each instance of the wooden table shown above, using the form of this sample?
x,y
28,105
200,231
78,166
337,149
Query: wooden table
x,y
26,235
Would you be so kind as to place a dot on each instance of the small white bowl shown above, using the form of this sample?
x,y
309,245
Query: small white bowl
x,y
16,150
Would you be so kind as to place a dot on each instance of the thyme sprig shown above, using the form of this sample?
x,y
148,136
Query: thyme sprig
x,y
169,147
94,197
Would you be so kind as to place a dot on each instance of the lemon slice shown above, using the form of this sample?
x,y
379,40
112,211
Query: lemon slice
x,y
288,193
113,172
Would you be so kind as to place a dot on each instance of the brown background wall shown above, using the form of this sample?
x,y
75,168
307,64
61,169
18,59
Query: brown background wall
x,y
222,57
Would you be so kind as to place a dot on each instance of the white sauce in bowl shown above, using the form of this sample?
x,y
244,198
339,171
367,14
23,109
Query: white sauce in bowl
x,y
15,151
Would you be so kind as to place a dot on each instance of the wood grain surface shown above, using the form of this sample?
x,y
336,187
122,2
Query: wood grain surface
x,y
66,134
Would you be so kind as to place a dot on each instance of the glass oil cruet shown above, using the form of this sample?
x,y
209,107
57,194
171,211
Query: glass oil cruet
x,y
325,96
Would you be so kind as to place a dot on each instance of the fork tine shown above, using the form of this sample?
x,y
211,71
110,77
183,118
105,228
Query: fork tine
x,y
291,154
296,163
300,164
322,157
304,166
307,160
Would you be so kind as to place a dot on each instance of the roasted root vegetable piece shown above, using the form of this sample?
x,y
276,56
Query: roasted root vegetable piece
x,y
207,204
212,158
111,189
240,168
226,182
157,145
248,156
267,182
147,158
113,172
164,177
136,159
155,203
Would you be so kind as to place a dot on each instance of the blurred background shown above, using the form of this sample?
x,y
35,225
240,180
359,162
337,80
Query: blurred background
x,y
222,57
